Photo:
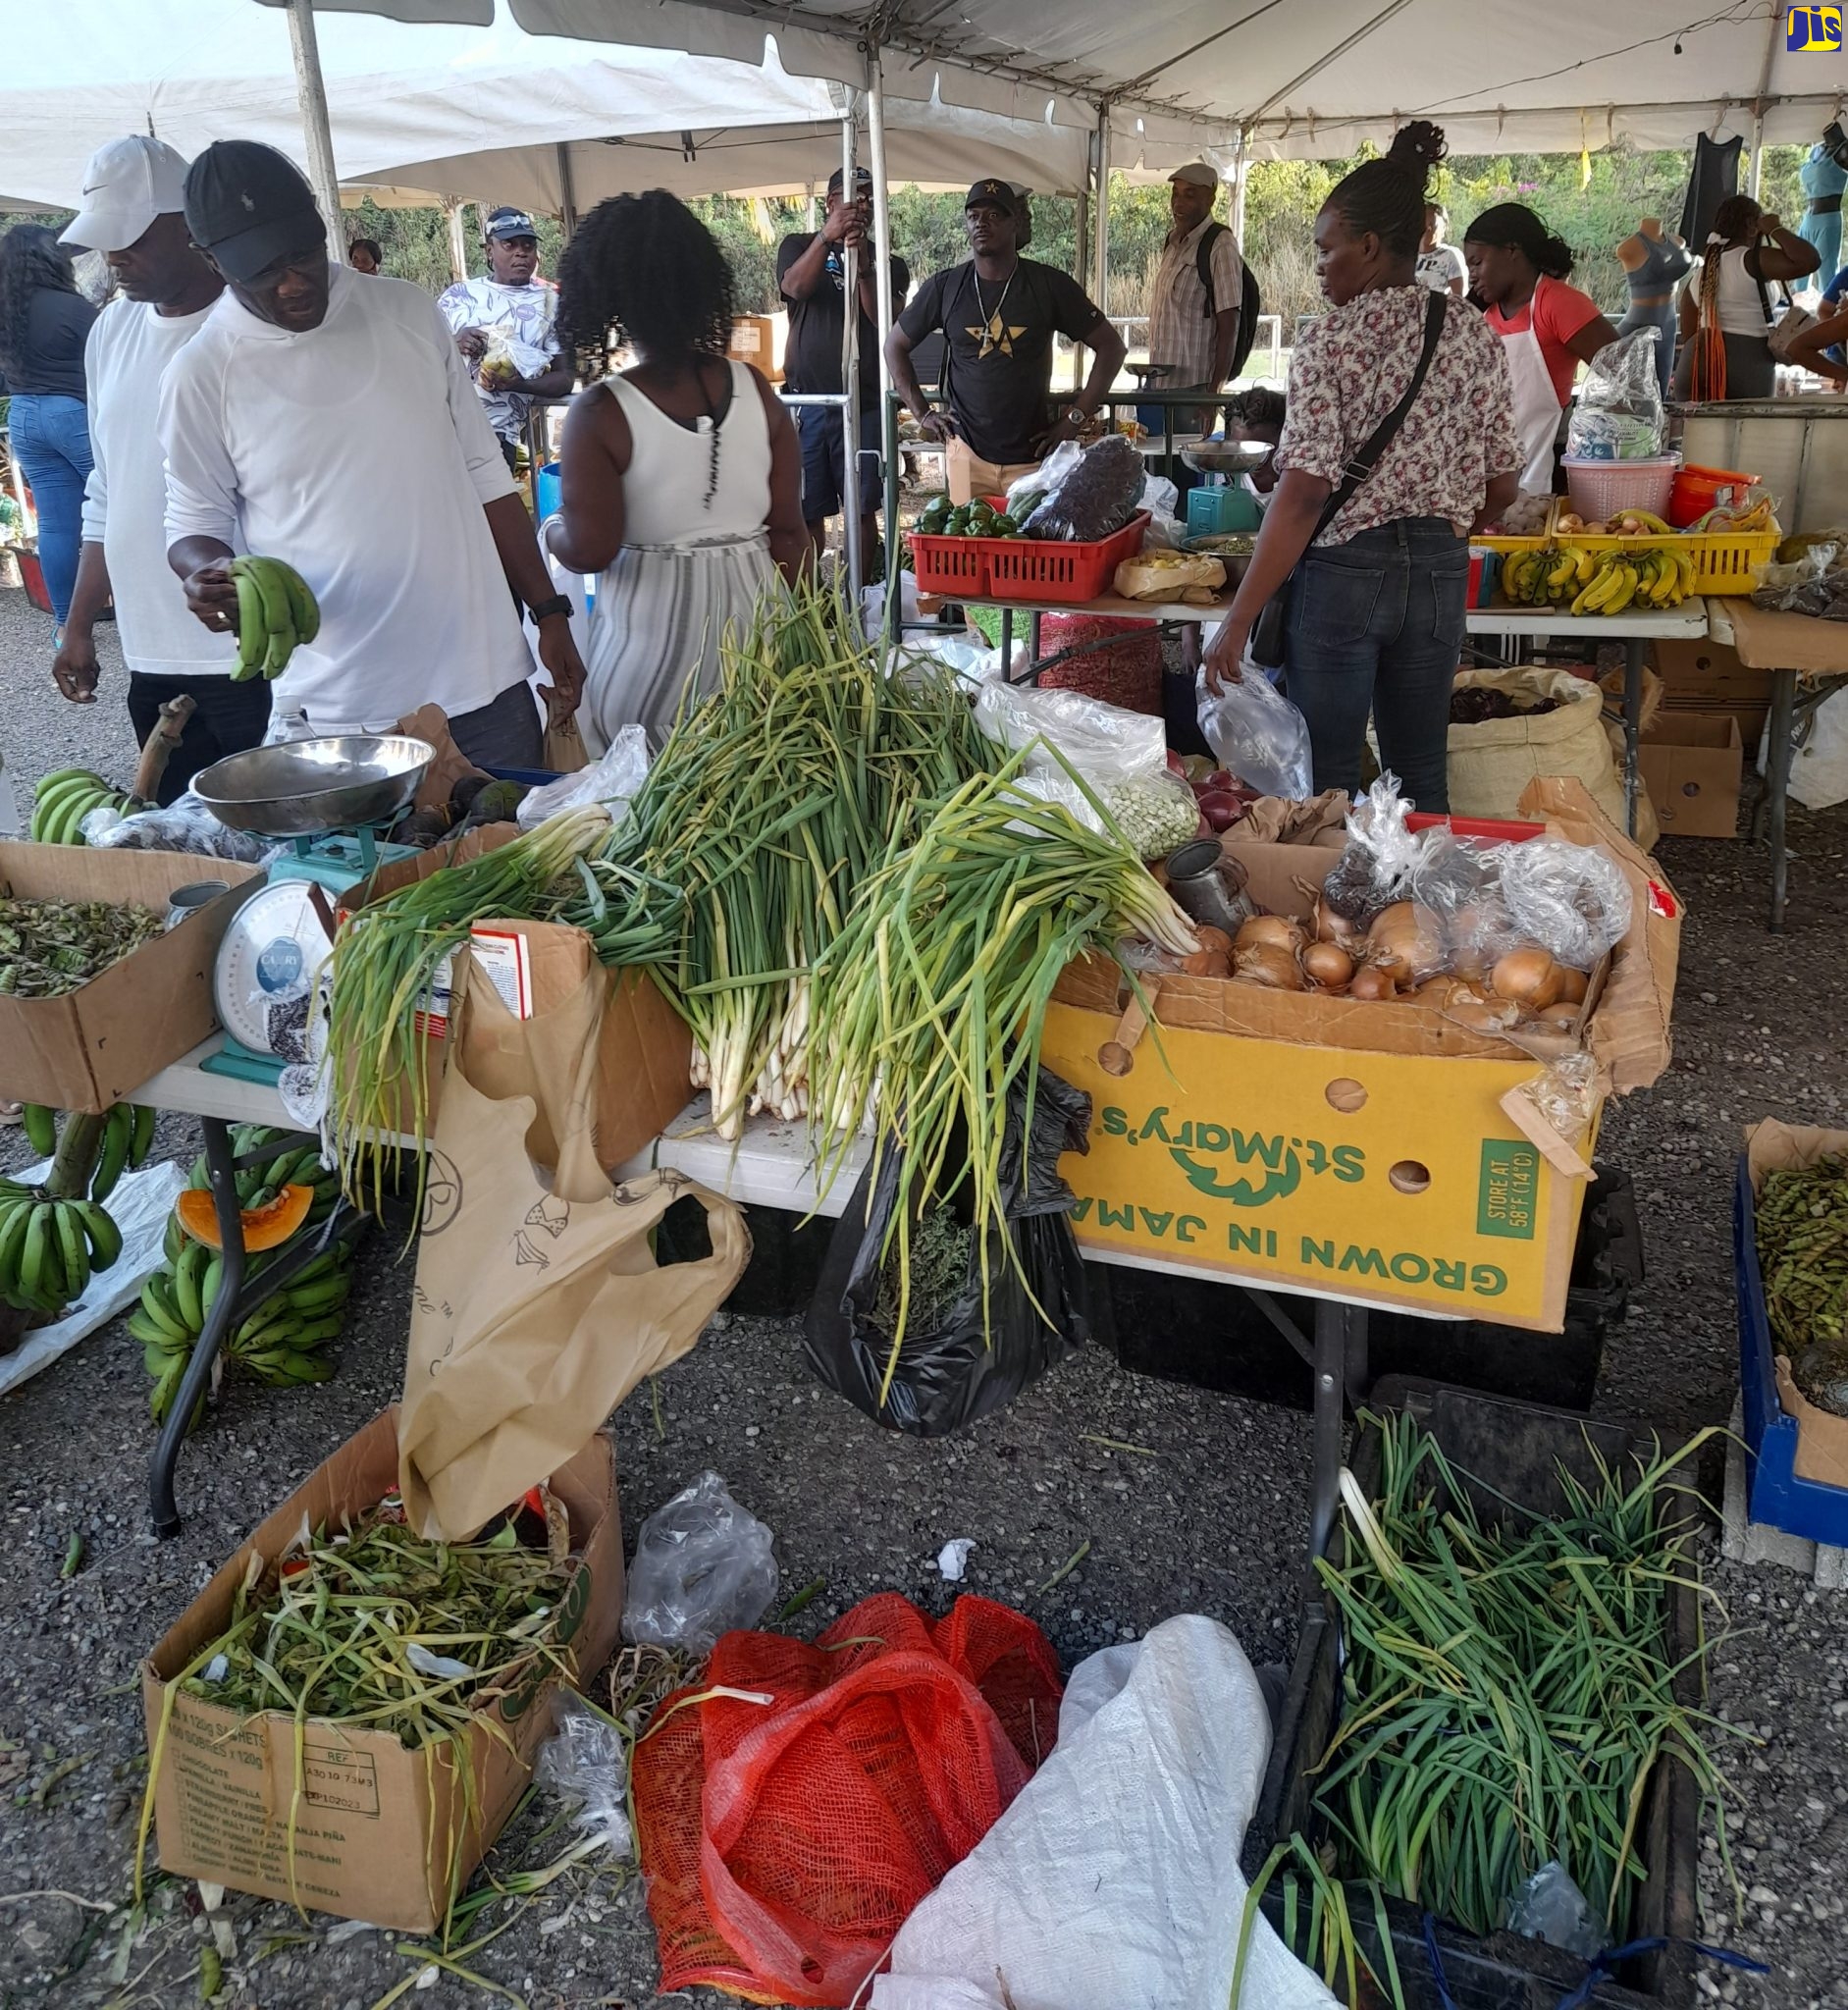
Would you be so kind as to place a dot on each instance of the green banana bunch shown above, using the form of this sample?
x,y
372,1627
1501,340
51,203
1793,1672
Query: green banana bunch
x,y
50,1246
128,1137
275,611
63,800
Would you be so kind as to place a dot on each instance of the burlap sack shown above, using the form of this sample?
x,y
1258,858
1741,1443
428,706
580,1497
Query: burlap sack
x,y
1492,764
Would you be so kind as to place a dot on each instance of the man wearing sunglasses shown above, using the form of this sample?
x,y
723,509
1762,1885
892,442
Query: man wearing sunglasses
x,y
329,421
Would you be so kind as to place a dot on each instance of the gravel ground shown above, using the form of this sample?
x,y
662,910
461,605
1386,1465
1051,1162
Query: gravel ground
x,y
1209,1516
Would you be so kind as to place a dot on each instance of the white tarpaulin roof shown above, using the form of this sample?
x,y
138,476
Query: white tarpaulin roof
x,y
1522,76
477,112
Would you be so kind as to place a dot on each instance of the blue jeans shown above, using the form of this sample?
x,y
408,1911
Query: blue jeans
x,y
51,438
1376,624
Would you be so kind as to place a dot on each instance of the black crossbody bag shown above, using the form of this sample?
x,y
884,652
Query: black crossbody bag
x,y
1267,632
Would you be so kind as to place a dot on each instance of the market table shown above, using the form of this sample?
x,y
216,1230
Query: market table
x,y
770,1166
1807,660
1635,630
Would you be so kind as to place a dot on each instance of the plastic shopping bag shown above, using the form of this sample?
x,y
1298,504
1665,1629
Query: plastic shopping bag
x,y
1257,735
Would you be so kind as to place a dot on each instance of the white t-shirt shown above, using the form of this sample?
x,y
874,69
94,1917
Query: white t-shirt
x,y
1436,268
524,317
125,497
359,452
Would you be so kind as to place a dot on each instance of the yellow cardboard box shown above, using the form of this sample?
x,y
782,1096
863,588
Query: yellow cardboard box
x,y
1353,1150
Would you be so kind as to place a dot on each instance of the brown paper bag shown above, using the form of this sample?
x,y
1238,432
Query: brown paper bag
x,y
539,1304
448,764
565,751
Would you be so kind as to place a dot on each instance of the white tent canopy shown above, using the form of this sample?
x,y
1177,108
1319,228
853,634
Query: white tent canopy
x,y
478,112
1304,81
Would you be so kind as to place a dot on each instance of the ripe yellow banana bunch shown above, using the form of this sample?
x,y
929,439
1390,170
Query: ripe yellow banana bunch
x,y
1659,577
275,611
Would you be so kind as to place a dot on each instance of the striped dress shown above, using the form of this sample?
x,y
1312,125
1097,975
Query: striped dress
x,y
688,569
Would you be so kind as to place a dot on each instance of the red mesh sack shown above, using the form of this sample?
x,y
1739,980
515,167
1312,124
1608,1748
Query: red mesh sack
x,y
1124,670
785,1842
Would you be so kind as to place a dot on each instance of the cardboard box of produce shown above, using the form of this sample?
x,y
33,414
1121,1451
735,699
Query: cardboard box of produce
x,y
92,1046
1361,1151
379,1831
1709,678
644,1062
1691,762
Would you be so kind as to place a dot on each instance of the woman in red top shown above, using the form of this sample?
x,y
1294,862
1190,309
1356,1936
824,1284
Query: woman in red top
x,y
1374,620
1517,271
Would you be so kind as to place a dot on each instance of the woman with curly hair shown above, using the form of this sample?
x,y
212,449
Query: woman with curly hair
x,y
1370,563
680,476
45,323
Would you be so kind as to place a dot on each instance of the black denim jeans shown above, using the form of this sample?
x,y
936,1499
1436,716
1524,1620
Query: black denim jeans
x,y
1376,624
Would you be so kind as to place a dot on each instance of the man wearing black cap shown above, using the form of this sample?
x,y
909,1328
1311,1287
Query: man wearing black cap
x,y
502,325
325,418
999,313
810,272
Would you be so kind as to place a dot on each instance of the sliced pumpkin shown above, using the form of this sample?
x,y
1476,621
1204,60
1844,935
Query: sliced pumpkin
x,y
264,1228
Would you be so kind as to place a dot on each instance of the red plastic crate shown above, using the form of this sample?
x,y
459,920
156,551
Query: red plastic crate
x,y
1492,830
1020,569
1027,569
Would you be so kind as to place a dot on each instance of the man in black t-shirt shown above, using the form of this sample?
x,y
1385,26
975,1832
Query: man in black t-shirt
x,y
999,313
811,276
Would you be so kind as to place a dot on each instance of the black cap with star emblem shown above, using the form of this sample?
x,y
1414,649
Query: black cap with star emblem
x,y
993,194
250,207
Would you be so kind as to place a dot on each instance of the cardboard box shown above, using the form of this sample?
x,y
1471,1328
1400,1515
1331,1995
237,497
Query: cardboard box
x,y
94,1046
1691,763
643,1077
758,340
1353,1150
1709,678
380,1833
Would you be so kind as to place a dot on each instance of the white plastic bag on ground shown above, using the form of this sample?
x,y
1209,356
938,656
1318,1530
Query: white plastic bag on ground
x,y
704,1566
1113,1881
1819,769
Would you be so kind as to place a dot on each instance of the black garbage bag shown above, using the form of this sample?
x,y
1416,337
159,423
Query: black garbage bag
x,y
950,1369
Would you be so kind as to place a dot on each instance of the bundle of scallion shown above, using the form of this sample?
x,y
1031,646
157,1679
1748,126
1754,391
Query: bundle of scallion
x,y
1509,1688
387,952
935,989
772,799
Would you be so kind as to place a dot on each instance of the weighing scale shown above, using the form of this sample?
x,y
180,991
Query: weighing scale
x,y
334,799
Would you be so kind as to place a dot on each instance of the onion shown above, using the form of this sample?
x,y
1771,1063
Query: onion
x,y
1207,963
1326,966
1481,1015
1559,1018
1573,984
1269,965
1529,976
1219,810
1213,939
1405,940
1329,926
1269,932
1372,985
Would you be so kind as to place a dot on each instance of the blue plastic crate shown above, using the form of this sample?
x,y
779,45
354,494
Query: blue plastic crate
x,y
1776,1494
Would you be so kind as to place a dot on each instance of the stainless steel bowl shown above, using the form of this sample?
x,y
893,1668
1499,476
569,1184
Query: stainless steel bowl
x,y
1224,456
305,788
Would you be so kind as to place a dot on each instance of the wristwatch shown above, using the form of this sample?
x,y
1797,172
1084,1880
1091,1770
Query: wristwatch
x,y
558,604
1077,415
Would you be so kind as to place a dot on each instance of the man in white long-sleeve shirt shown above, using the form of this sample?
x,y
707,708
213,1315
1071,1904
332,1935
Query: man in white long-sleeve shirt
x,y
327,419
133,195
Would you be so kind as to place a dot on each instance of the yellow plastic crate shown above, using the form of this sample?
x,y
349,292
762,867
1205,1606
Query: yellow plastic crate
x,y
1724,561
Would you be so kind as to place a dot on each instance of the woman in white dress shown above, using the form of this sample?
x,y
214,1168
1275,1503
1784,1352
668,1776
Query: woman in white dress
x,y
680,477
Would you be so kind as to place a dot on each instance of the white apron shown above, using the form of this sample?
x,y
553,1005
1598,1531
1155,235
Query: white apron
x,y
1536,403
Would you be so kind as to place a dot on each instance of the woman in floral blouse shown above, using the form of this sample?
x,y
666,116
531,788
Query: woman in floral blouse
x,y
1376,596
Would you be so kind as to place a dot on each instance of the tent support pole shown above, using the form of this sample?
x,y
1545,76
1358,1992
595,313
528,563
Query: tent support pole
x,y
882,293
850,371
454,208
1771,41
312,90
1241,179
567,194
1100,224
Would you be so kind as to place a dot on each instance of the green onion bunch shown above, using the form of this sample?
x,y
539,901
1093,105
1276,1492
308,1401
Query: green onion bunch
x,y
934,992
1508,1690
771,799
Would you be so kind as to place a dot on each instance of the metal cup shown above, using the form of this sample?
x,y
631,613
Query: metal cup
x,y
184,901
1209,885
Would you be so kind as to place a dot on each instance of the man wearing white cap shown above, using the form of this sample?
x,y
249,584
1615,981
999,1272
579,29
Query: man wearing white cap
x,y
133,195
1195,309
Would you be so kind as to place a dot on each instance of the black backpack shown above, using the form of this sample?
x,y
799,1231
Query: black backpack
x,y
1249,304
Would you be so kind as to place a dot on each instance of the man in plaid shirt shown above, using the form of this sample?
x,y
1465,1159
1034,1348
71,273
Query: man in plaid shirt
x,y
1191,333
